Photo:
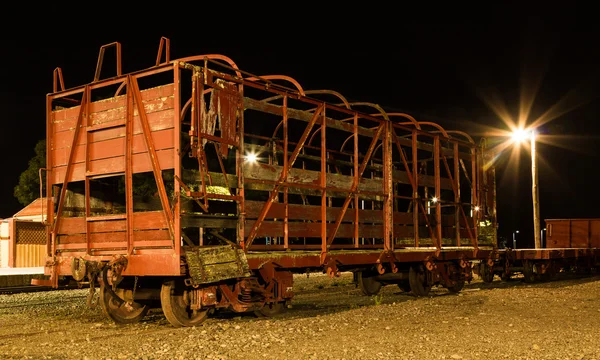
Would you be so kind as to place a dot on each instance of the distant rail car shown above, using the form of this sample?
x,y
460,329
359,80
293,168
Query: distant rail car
x,y
572,245
193,185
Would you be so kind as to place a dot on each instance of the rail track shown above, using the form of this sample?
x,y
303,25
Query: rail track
x,y
35,288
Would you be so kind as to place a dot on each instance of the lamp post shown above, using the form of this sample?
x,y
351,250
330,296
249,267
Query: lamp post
x,y
520,135
515,239
535,194
543,238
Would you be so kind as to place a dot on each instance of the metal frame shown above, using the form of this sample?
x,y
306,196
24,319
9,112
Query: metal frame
x,y
384,157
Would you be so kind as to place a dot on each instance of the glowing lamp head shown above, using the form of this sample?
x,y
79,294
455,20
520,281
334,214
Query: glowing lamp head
x,y
476,208
251,158
520,135
434,199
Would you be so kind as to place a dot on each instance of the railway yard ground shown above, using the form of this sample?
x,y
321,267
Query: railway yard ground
x,y
329,319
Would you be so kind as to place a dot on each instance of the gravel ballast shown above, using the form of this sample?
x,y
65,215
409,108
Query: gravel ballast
x,y
329,319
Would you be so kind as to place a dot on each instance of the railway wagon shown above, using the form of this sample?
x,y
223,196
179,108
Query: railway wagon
x,y
195,186
571,246
573,233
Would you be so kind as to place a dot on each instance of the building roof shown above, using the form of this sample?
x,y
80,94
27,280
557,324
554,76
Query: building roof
x,y
36,208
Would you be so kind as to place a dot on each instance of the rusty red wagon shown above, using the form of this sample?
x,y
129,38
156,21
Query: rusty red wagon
x,y
193,185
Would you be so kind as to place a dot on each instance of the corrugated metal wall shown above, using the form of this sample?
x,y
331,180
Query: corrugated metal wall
x,y
31,244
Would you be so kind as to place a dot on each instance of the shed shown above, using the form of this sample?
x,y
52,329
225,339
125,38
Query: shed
x,y
23,237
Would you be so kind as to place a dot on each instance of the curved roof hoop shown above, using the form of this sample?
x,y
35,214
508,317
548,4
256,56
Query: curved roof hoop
x,y
279,77
214,57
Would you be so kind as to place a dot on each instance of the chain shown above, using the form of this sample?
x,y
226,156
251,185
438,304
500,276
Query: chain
x,y
92,299
135,281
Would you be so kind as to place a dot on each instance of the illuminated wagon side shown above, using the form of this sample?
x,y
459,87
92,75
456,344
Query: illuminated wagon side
x,y
200,186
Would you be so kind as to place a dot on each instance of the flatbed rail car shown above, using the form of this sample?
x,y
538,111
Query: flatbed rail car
x,y
571,246
199,186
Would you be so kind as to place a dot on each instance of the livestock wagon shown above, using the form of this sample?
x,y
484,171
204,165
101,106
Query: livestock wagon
x,y
193,185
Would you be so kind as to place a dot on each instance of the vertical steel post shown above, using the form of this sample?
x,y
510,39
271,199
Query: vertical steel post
x,y
438,205
356,179
323,182
535,193
388,209
415,175
286,230
457,202
129,168
177,150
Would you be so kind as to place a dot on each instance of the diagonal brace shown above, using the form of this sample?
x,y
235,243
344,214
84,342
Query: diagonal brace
x,y
153,156
355,182
473,240
63,189
282,177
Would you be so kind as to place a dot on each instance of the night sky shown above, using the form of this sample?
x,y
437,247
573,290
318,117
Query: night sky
x,y
438,66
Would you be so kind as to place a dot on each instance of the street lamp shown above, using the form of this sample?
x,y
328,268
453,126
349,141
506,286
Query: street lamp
x,y
519,136
515,239
543,237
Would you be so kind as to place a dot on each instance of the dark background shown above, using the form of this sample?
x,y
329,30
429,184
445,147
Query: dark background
x,y
438,64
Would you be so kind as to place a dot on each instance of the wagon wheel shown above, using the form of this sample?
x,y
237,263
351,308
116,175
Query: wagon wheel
x,y
486,272
547,276
583,268
174,300
127,312
457,287
528,272
505,276
417,277
457,278
544,271
270,309
368,284
404,286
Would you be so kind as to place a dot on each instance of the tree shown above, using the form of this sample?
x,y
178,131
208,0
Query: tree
x,y
28,188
